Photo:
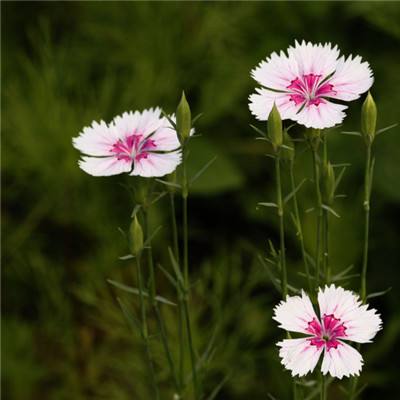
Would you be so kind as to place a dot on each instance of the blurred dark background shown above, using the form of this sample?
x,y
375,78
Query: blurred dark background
x,y
65,64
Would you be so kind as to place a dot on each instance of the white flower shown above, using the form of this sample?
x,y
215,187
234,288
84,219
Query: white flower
x,y
342,317
141,143
303,82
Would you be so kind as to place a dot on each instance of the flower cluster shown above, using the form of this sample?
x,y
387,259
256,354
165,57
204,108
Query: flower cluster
x,y
303,82
342,317
139,143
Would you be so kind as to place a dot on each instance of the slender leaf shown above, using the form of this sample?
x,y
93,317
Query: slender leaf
x,y
126,257
202,170
136,291
331,210
379,131
294,191
378,294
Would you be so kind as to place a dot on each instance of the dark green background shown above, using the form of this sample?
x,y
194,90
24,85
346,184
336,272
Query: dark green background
x,y
66,64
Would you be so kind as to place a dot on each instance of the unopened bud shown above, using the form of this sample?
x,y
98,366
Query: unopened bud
x,y
328,184
368,118
183,119
135,237
275,128
287,152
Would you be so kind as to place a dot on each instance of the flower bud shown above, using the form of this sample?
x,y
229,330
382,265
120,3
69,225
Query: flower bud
x,y
287,152
275,128
368,118
183,119
135,237
328,184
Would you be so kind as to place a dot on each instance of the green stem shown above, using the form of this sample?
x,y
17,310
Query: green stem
x,y
181,339
281,226
185,194
299,226
323,394
156,308
325,225
319,214
367,196
325,259
145,334
174,226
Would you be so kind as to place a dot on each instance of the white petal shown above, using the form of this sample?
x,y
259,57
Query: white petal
x,y
96,140
157,164
324,115
342,361
104,166
299,356
352,78
142,123
261,104
276,72
315,59
166,139
295,313
361,324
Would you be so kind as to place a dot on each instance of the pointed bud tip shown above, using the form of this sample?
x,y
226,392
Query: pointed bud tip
x,y
275,127
183,118
368,118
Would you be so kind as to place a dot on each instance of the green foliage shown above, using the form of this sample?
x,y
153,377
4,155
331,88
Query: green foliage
x,y
64,65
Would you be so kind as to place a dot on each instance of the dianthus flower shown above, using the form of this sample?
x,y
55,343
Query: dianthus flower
x,y
139,143
343,317
303,83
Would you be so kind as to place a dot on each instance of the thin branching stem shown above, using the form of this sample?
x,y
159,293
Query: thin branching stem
x,y
299,225
319,214
145,334
156,308
279,202
181,314
185,193
323,394
367,196
325,225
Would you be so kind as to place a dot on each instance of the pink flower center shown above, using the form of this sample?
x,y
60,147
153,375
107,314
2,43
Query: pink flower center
x,y
133,148
326,334
309,89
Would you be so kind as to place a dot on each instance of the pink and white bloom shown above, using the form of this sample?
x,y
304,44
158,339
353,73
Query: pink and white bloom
x,y
139,143
342,317
303,82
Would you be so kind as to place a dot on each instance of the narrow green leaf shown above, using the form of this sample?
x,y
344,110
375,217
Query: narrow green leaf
x,y
202,170
270,273
135,210
176,268
168,275
339,177
331,210
171,121
196,118
378,294
133,322
379,131
259,131
268,205
158,197
351,133
294,191
152,236
175,185
126,257
136,291
214,393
